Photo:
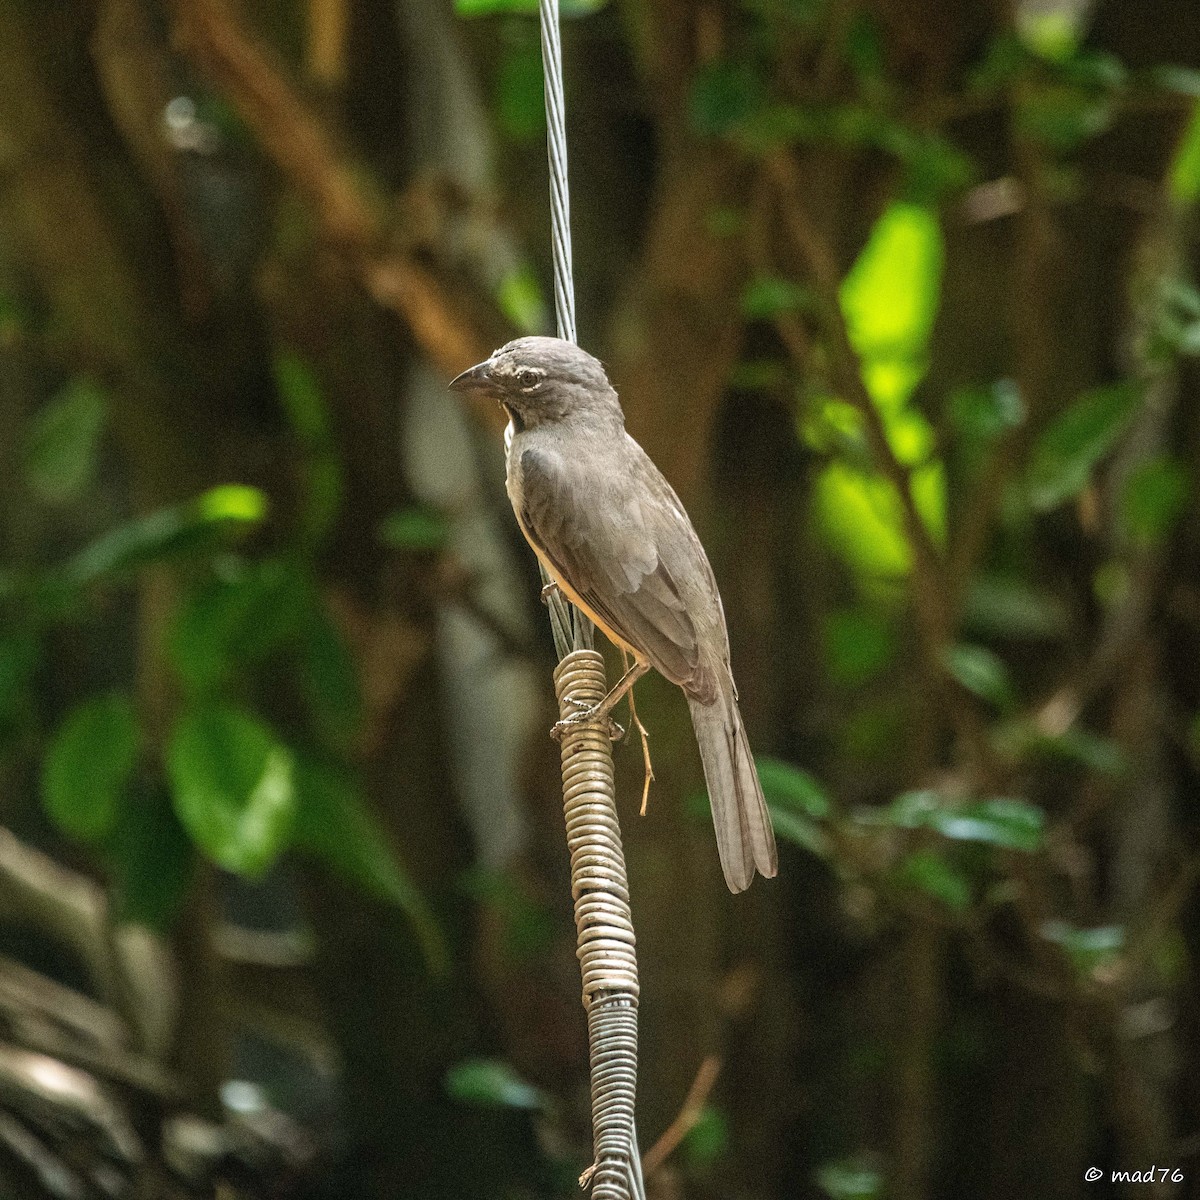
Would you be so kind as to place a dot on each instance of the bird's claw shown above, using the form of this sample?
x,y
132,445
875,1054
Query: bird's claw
x,y
549,591
584,714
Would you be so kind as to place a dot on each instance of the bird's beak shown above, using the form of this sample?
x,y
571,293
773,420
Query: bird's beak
x,y
477,379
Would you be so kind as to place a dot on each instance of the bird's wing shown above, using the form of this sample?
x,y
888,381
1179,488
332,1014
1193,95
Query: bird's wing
x,y
604,543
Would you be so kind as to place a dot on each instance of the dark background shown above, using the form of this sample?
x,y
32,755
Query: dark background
x,y
900,296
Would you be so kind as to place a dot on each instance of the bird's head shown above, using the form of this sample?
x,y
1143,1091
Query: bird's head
x,y
543,379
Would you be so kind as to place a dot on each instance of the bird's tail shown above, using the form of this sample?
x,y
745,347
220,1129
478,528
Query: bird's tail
x,y
745,838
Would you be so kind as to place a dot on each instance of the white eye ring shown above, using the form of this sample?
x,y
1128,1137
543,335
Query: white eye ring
x,y
528,380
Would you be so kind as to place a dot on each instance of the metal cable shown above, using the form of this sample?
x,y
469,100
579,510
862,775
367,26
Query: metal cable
x,y
604,926
603,923
561,613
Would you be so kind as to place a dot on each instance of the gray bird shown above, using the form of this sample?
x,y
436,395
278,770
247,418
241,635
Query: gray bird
x,y
613,535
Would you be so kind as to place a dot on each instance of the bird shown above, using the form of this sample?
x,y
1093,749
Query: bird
x,y
614,537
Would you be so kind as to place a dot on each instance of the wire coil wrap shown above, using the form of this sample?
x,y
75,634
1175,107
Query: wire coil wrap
x,y
607,947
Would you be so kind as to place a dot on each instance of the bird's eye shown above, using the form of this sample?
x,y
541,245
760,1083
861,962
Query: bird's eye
x,y
527,379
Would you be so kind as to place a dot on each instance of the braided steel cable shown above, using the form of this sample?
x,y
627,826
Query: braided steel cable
x,y
561,613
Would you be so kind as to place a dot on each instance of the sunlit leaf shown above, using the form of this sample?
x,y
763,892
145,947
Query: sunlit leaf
x,y
890,299
981,672
63,439
1069,450
88,766
1183,176
334,824
1052,31
490,1083
863,520
232,786
199,525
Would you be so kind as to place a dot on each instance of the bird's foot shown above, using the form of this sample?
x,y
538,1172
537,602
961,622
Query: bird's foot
x,y
585,714
549,590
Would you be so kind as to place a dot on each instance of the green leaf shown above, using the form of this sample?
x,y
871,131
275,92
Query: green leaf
x,y
766,296
862,520
850,1179
1183,176
18,659
520,298
519,98
88,767
488,8
490,1083
1153,498
1069,450
235,620
1183,80
707,1140
931,873
331,685
308,415
1007,606
232,786
890,299
1008,823
415,528
786,786
1053,33
187,528
152,862
982,414
858,645
1087,949
1079,746
794,827
301,397
723,95
334,824
1000,821
981,672
63,439
1064,116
